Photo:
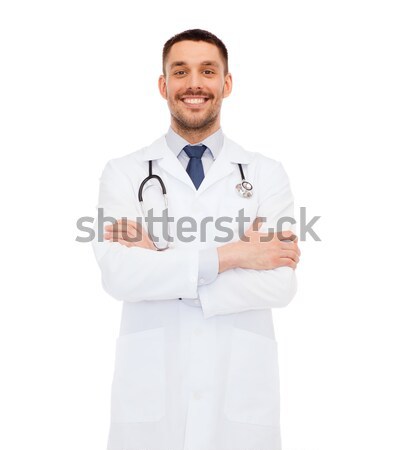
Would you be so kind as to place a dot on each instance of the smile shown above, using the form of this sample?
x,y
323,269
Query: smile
x,y
194,100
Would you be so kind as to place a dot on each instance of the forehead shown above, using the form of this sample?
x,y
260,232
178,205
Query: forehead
x,y
193,53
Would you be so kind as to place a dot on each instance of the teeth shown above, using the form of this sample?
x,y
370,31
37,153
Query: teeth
x,y
194,100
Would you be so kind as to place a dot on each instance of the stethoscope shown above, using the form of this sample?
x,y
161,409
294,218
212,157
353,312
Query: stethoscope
x,y
244,189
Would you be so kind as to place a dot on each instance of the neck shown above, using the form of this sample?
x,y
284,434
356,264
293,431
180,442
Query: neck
x,y
193,135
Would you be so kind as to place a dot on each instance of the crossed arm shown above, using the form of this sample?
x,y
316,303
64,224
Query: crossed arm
x,y
252,273
259,251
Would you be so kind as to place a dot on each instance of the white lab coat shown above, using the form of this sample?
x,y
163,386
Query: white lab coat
x,y
199,373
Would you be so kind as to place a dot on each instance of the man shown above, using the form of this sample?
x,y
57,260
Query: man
x,y
196,360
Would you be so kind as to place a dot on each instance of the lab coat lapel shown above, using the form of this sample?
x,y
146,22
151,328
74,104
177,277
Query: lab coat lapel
x,y
220,168
167,160
230,155
172,165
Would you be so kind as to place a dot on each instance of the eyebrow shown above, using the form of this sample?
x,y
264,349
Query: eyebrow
x,y
204,63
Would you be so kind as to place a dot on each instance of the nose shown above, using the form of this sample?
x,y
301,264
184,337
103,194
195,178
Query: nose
x,y
195,81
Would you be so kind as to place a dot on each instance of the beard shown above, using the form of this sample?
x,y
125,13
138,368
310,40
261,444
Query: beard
x,y
194,120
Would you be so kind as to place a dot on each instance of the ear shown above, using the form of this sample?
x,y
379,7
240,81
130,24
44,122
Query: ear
x,y
227,85
162,86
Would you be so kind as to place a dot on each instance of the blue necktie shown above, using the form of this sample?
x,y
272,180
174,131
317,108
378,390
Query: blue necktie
x,y
195,166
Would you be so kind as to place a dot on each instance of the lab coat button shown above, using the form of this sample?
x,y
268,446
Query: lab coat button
x,y
196,302
201,280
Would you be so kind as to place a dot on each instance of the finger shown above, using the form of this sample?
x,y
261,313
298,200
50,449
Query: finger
x,y
119,227
142,244
129,232
290,254
136,240
125,243
116,224
296,242
286,234
266,237
124,236
123,223
129,229
287,262
132,223
290,246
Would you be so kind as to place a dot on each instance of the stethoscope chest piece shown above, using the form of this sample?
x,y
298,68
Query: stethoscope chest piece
x,y
244,189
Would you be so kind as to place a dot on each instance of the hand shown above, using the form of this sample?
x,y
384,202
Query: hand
x,y
129,233
260,251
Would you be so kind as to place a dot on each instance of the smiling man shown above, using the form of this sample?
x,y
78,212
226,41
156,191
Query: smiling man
x,y
196,364
194,82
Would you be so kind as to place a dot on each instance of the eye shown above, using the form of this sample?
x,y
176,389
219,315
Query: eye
x,y
208,72
180,72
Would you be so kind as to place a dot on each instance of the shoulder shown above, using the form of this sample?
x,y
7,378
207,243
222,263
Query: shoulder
x,y
127,159
268,174
137,159
255,158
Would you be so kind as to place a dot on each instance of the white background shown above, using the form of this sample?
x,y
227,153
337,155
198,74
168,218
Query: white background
x,y
315,86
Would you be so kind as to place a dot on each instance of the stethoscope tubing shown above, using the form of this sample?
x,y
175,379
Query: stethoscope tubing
x,y
246,184
150,177
244,188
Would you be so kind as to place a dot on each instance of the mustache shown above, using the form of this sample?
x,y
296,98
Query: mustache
x,y
194,93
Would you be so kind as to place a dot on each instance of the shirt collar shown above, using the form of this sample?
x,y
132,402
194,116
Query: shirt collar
x,y
214,142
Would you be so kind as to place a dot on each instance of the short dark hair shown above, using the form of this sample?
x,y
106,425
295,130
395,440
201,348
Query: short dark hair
x,y
195,35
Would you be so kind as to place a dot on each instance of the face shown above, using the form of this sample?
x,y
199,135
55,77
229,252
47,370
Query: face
x,y
195,85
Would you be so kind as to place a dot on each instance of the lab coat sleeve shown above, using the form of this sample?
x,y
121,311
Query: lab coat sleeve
x,y
133,273
238,290
208,265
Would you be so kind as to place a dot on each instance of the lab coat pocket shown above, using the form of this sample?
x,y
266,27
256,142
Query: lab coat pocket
x,y
138,388
252,390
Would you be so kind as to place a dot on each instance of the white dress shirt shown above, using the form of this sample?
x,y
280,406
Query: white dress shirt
x,y
208,258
